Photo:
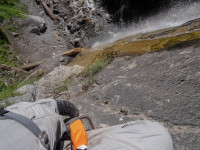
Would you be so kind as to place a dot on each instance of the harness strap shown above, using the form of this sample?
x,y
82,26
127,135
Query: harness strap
x,y
29,124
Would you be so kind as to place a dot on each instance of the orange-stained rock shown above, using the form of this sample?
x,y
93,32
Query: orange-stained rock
x,y
74,51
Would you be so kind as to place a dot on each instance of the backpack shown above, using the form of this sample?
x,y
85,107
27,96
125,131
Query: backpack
x,y
75,130
76,133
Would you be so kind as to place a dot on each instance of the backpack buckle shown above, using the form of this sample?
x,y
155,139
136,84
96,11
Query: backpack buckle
x,y
44,139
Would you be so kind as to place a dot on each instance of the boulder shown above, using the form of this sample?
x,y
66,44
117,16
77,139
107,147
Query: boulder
x,y
78,42
15,34
37,24
35,30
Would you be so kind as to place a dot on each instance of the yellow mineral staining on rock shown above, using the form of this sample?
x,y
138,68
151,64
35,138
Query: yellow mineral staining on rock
x,y
132,46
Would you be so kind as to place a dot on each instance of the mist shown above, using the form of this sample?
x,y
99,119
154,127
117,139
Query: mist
x,y
174,16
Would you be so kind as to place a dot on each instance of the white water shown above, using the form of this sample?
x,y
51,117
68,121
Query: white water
x,y
87,4
176,16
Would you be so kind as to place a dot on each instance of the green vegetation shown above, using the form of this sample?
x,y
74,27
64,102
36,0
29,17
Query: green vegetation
x,y
8,9
95,68
2,85
9,82
95,59
15,29
12,28
64,87
124,111
30,81
128,47
9,91
11,8
6,56
7,103
3,37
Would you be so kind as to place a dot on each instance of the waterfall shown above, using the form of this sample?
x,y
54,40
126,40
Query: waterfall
x,y
175,16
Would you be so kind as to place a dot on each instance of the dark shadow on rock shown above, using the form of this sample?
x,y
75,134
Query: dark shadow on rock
x,y
195,43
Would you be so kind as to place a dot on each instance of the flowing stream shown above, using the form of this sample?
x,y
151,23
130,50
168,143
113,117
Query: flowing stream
x,y
175,16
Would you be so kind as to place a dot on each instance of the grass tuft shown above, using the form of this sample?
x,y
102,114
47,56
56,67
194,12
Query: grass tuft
x,y
9,91
64,87
11,8
95,68
6,104
7,56
8,84
30,81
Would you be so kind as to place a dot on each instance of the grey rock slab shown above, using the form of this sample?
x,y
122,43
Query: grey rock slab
x,y
26,88
163,86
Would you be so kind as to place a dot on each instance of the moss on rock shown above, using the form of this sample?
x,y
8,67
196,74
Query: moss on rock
x,y
128,47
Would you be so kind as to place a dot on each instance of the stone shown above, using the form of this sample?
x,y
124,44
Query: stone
x,y
26,89
69,26
55,1
15,34
42,13
80,3
56,9
37,1
56,78
107,17
38,21
78,42
35,30
61,59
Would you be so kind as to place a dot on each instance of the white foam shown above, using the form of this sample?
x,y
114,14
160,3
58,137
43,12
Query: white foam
x,y
88,4
176,16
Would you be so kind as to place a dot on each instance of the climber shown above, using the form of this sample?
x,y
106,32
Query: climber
x,y
41,118
38,126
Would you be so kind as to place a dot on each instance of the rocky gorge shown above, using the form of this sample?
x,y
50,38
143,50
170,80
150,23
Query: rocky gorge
x,y
153,74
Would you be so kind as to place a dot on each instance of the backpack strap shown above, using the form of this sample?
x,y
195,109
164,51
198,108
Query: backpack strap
x,y
78,134
29,124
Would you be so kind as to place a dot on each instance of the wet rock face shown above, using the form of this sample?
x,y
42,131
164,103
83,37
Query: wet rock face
x,y
80,19
129,10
